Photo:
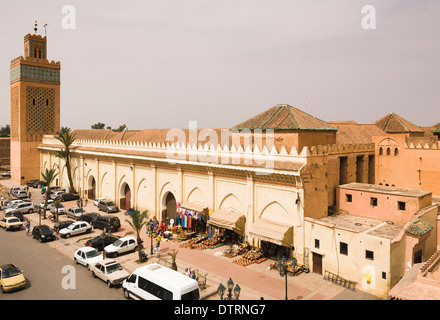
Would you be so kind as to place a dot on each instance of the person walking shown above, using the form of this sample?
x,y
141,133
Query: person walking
x,y
158,238
27,225
1,200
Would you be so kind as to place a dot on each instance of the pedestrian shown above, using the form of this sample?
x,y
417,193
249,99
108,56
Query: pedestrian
x,y
1,200
27,225
193,275
187,272
30,194
158,238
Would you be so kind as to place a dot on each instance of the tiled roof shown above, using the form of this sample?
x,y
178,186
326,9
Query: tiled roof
x,y
393,123
356,133
419,227
284,117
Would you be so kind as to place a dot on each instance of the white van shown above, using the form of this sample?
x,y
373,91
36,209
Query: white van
x,y
156,282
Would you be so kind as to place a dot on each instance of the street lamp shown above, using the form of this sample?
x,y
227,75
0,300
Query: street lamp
x,y
221,290
282,269
39,210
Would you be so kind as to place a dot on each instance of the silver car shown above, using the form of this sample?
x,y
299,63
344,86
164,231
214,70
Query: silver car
x,y
75,213
53,209
23,207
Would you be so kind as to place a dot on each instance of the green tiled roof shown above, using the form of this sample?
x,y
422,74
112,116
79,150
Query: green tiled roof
x,y
393,123
436,130
419,227
284,117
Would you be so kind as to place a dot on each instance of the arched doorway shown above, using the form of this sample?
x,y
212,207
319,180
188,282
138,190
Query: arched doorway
x,y
125,197
170,207
91,188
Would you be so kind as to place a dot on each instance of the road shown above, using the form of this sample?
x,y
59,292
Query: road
x,y
43,268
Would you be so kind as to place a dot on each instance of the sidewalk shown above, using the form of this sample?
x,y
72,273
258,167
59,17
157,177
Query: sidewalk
x,y
255,280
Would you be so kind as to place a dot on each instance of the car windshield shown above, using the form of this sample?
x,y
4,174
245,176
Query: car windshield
x,y
92,254
13,220
113,267
110,203
70,227
117,243
45,228
11,271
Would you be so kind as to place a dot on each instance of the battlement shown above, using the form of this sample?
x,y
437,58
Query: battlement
x,y
426,146
254,156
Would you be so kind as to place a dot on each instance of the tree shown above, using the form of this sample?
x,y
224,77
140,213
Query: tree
x,y
138,220
48,177
98,125
121,128
57,205
66,137
173,256
5,131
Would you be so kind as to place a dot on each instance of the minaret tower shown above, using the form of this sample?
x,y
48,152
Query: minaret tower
x,y
35,106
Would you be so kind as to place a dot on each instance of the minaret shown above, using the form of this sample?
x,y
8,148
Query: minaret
x,y
35,106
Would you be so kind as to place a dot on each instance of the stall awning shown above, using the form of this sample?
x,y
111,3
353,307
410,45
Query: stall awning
x,y
272,232
229,220
192,208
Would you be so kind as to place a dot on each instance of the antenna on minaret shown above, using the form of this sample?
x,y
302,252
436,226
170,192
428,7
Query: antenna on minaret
x,y
45,32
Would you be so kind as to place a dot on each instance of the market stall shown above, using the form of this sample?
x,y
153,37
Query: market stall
x,y
276,240
192,218
229,223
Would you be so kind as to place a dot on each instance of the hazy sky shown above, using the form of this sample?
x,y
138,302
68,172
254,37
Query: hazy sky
x,y
162,63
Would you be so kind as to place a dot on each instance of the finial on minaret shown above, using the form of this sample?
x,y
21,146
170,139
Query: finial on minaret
x,y
35,29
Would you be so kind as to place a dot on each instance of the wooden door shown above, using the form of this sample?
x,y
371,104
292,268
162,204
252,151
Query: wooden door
x,y
317,263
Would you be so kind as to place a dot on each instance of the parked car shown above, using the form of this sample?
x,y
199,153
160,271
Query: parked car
x,y
75,213
11,223
38,183
30,183
122,245
6,174
69,196
56,194
53,209
11,278
23,207
43,203
43,233
61,225
110,271
107,223
87,256
52,189
99,243
11,202
75,229
21,194
108,206
14,189
90,217
96,201
17,215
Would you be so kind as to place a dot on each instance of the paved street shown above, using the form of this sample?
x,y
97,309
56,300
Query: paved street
x,y
43,265
255,280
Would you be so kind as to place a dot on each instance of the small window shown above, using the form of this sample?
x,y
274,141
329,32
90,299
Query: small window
x,y
369,255
384,275
401,205
343,248
380,151
396,152
33,102
47,102
388,151
348,198
373,202
317,243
